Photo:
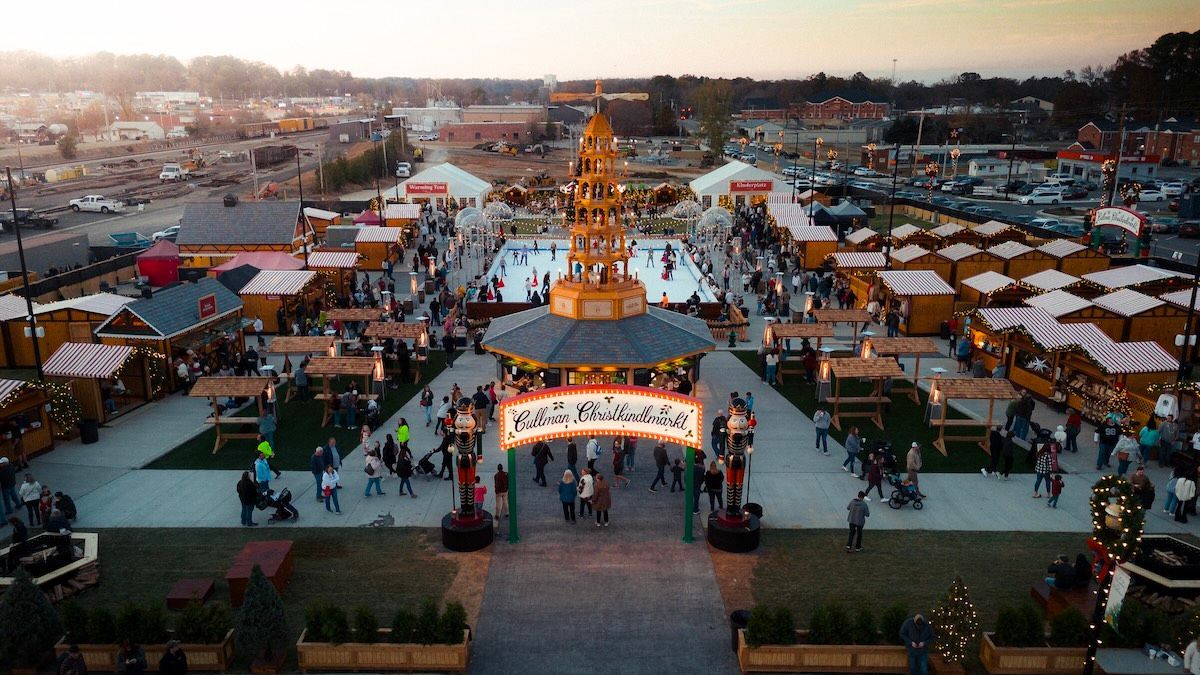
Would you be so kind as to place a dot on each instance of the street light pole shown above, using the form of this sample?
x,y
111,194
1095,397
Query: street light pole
x,y
1012,154
303,216
12,199
813,177
887,245
1187,326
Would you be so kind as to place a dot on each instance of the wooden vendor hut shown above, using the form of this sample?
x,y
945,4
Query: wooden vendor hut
x,y
995,232
1090,379
909,234
1149,280
953,233
1144,318
1021,260
218,390
1069,308
1049,280
1074,258
923,298
812,243
377,244
404,216
320,220
967,261
914,257
984,290
276,297
24,419
859,267
107,380
202,320
60,322
211,233
338,267
864,239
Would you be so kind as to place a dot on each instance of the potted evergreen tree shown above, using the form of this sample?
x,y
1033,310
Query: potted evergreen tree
x,y
261,631
29,626
955,625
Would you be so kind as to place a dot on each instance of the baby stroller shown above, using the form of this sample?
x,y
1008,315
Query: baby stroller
x,y
425,467
281,502
903,493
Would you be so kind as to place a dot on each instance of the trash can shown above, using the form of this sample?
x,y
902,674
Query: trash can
x,y
944,329
753,509
738,619
89,431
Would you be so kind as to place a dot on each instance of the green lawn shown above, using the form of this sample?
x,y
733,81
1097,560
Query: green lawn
x,y
299,432
903,424
384,569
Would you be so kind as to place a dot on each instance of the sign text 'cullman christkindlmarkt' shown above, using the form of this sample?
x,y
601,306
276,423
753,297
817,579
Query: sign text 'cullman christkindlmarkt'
x,y
603,410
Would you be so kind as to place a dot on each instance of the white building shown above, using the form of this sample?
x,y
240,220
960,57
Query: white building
x,y
992,167
740,182
136,131
439,183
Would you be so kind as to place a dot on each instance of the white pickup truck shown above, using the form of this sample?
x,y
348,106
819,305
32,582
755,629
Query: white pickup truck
x,y
97,203
172,171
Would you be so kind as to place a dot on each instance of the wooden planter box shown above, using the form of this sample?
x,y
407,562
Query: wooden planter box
x,y
103,658
820,658
383,656
1030,660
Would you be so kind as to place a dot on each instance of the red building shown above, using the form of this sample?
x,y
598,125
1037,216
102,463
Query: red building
x,y
478,132
843,107
1173,139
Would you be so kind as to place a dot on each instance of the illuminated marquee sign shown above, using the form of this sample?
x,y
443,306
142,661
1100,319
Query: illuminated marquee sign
x,y
751,185
602,410
426,188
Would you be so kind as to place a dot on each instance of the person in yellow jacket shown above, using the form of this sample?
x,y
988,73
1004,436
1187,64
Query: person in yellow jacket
x,y
264,446
403,435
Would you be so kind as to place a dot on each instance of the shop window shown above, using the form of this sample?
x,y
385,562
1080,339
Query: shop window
x,y
477,135
1033,363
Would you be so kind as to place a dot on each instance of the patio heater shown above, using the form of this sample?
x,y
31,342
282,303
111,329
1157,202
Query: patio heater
x,y
824,375
933,409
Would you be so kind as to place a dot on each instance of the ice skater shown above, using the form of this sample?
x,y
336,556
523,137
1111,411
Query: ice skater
x,y
649,257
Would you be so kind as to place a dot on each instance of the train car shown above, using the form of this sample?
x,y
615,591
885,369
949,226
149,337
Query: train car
x,y
270,155
294,124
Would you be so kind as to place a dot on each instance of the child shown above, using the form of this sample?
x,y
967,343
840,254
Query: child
x,y
677,476
1172,500
480,493
1056,486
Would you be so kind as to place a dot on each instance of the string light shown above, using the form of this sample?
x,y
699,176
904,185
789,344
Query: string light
x,y
955,622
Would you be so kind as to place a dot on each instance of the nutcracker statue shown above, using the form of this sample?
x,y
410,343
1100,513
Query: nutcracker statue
x,y
736,528
468,527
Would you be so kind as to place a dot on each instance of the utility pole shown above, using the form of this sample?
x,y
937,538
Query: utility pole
x,y
887,245
37,351
916,148
1112,194
304,228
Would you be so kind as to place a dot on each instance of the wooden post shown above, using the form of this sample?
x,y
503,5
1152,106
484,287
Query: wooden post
x,y
217,423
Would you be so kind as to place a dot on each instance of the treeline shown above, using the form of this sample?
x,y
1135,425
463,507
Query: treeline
x,y
366,167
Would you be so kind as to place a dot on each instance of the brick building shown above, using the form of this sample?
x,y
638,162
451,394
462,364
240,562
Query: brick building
x,y
1171,140
843,106
478,132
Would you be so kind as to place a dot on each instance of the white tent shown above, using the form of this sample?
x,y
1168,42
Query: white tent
x,y
441,182
735,179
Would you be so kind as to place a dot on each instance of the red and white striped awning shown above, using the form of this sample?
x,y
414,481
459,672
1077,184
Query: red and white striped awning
x,y
812,233
7,387
905,231
780,198
378,235
1049,280
402,211
910,252
915,282
859,260
1061,248
1124,277
1009,249
958,251
1058,302
1056,335
1181,298
1132,357
1127,302
991,227
989,282
87,360
860,235
278,282
1004,319
346,260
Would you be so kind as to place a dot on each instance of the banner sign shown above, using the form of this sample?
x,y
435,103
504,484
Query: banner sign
x,y
1119,216
601,410
751,185
426,188
207,305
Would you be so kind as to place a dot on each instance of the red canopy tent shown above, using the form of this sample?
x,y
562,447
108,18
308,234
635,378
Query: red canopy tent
x,y
368,217
160,263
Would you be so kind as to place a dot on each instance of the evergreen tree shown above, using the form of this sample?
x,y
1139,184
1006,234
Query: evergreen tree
x,y
955,623
262,630
29,624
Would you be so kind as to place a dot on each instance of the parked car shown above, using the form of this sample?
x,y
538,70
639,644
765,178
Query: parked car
x,y
1190,229
1012,186
169,234
96,203
794,170
749,158
1072,230
1152,196
1042,197
1074,192
1164,225
988,212
1047,223
1030,187
803,184
1023,219
26,218
1173,189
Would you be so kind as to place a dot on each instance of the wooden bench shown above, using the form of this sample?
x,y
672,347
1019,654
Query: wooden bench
x,y
275,559
1054,601
231,420
186,591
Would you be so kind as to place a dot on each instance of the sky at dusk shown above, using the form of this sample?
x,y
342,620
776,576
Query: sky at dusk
x,y
581,39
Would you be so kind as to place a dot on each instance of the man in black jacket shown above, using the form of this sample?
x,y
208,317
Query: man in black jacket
x,y
660,462
541,457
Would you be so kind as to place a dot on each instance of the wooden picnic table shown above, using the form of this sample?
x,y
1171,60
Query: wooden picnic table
x,y
976,388
902,346
218,388
876,370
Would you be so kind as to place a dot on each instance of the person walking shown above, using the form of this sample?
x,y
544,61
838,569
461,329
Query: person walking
x,y
1168,438
8,486
427,404
593,452
917,635
677,476
586,489
718,434
1043,466
1056,488
566,494
1123,451
913,463
404,469
446,471
853,447
1148,439
1185,489
713,481
403,435
660,463
875,478
1172,500
857,518
541,457
1023,414
573,457
629,450
329,488
267,426
333,457
248,497
262,473
618,462
1072,427
390,453
500,484
821,420
1107,436
373,467
601,500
